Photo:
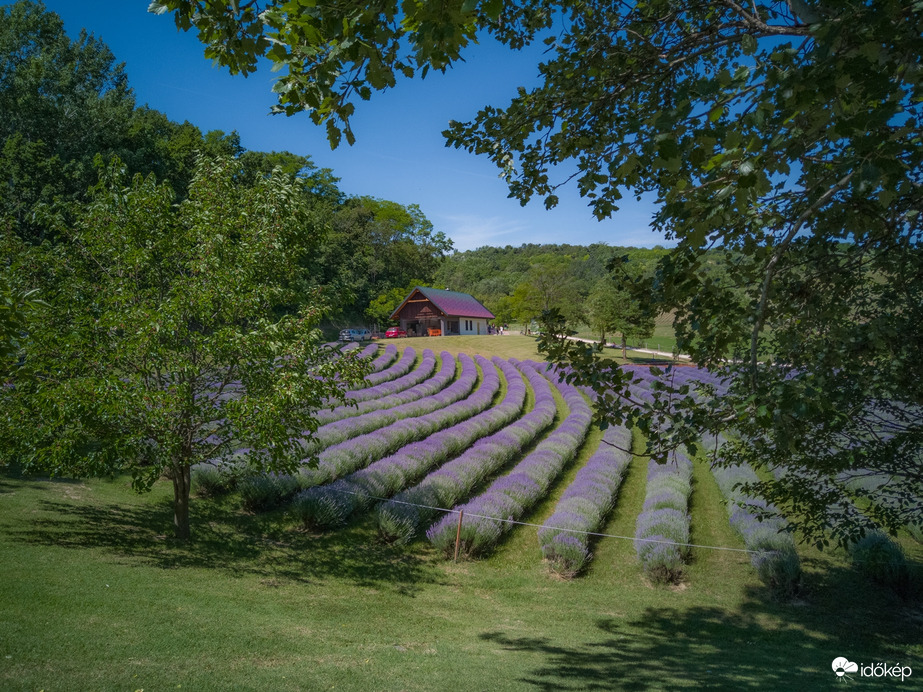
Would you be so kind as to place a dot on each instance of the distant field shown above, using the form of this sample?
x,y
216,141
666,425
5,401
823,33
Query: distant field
x,y
663,338
512,345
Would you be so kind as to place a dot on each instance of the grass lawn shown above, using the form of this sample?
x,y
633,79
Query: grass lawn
x,y
507,346
96,596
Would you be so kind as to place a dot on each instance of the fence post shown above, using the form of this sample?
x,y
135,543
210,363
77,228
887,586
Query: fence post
x,y
461,513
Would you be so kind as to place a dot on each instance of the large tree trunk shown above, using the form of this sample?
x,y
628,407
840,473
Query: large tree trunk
x,y
624,347
181,482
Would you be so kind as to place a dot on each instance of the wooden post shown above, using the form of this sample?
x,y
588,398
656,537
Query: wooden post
x,y
458,533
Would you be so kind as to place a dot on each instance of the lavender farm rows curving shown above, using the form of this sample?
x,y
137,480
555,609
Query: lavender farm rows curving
x,y
511,496
341,430
453,406
384,387
332,504
414,385
383,359
585,504
401,367
409,512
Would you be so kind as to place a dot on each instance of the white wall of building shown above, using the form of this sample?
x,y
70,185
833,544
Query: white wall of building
x,y
471,325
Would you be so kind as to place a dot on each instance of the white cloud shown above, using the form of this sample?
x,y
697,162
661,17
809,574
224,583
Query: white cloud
x,y
469,231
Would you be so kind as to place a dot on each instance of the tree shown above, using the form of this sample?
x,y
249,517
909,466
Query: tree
x,y
383,306
62,102
160,347
549,285
375,246
611,307
785,135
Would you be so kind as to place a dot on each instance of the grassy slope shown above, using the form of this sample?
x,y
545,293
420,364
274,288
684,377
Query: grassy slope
x,y
94,596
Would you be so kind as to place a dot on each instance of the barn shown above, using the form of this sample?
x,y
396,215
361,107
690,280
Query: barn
x,y
435,312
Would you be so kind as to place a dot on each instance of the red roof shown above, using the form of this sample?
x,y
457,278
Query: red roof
x,y
452,303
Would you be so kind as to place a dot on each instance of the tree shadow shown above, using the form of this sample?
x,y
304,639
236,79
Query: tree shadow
x,y
761,645
224,538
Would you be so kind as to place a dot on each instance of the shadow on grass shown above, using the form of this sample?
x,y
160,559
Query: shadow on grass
x,y
224,538
761,645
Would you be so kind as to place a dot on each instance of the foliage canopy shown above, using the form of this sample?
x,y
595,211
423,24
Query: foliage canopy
x,y
167,340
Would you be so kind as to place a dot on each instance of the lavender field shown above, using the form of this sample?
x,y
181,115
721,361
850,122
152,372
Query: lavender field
x,y
464,451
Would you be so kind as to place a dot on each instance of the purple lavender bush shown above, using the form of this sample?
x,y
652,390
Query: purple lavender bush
x,y
584,505
662,531
775,558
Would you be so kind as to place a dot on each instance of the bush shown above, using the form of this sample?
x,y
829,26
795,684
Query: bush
x,y
882,560
566,554
209,481
780,570
662,562
264,493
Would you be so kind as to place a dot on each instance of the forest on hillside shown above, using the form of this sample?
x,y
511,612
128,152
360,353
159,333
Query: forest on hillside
x,y
69,112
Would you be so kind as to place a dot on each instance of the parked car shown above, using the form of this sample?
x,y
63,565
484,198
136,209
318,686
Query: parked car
x,y
395,333
355,335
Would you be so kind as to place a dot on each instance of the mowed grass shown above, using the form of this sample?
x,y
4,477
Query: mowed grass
x,y
511,345
96,596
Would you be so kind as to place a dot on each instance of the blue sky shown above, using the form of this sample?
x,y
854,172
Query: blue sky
x,y
400,153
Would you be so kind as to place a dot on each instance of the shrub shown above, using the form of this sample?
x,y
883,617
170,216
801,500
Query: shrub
x,y
881,560
780,570
209,481
266,492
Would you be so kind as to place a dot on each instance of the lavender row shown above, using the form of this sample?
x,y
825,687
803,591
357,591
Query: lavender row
x,y
414,385
331,505
511,496
586,502
876,486
409,512
400,367
776,560
663,525
397,384
346,457
388,354
342,430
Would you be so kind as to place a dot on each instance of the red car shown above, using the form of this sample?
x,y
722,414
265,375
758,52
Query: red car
x,y
394,333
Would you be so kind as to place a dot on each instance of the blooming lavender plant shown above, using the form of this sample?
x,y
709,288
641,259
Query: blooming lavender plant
x,y
510,496
661,531
762,528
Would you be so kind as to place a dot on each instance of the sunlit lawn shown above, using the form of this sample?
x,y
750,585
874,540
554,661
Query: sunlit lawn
x,y
95,596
